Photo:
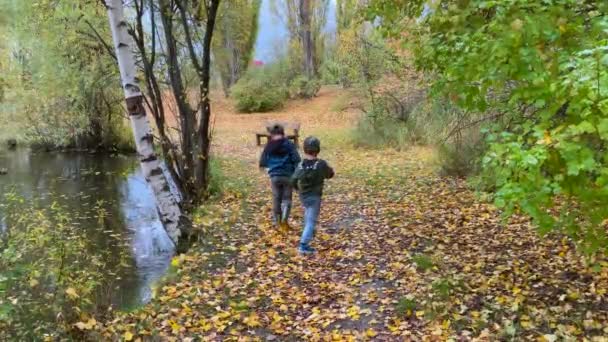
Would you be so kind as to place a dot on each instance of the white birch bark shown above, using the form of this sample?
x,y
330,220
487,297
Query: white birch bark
x,y
168,206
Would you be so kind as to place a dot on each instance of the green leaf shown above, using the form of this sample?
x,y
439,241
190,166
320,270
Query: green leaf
x,y
602,129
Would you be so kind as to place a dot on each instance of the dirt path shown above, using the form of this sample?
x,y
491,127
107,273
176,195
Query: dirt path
x,y
402,255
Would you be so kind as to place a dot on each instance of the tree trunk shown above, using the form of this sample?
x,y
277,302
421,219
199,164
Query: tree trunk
x,y
233,48
308,45
168,207
186,112
204,134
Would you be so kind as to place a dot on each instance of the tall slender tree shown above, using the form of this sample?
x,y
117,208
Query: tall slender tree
x,y
346,11
306,37
306,21
235,39
168,206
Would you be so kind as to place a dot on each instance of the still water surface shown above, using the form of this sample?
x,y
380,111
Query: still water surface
x,y
84,184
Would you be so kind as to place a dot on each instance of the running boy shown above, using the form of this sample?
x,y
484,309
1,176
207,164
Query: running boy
x,y
280,157
308,179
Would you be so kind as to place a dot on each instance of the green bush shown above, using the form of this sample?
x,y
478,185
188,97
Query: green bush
x,y
382,126
217,177
462,157
331,72
259,91
302,87
384,132
430,123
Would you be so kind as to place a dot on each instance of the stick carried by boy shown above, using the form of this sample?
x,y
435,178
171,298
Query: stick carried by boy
x,y
309,179
280,157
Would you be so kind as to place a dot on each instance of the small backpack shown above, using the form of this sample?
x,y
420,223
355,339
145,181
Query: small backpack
x,y
310,175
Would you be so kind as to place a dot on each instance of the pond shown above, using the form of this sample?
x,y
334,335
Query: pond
x,y
83,183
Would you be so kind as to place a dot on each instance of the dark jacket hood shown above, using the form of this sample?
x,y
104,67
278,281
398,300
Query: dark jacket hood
x,y
277,147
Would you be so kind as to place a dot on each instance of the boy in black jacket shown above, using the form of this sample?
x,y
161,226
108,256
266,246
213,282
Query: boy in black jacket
x,y
308,179
280,157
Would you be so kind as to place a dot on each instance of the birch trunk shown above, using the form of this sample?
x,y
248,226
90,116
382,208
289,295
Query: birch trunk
x,y
168,207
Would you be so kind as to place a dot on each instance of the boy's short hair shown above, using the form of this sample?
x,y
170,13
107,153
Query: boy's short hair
x,y
312,145
277,129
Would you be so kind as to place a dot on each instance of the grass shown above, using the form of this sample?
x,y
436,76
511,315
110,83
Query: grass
x,y
405,306
342,102
443,288
423,262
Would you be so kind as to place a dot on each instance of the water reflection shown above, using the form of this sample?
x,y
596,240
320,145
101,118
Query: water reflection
x,y
152,249
87,184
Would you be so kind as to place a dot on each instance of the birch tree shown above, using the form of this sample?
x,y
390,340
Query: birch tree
x,y
179,51
168,207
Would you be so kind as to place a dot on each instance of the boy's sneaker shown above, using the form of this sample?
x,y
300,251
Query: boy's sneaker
x,y
305,249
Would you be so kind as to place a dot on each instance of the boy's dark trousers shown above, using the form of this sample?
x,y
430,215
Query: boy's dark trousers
x,y
281,198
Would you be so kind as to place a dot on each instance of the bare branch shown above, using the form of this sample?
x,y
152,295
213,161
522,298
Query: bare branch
x,y
107,46
191,50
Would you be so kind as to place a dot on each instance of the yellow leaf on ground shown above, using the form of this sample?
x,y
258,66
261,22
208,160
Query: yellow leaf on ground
x,y
253,320
175,262
91,323
353,312
175,327
128,336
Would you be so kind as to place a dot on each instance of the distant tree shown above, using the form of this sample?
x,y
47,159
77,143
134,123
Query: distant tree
x,y
306,20
235,39
346,11
65,50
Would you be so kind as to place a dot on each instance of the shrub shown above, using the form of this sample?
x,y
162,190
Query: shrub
x,y
377,133
331,72
259,91
459,141
462,156
217,178
385,126
302,87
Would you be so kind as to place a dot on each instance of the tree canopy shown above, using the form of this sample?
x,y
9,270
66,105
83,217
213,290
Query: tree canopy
x,y
537,70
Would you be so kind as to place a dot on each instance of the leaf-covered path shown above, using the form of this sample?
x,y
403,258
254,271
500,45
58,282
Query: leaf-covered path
x,y
403,254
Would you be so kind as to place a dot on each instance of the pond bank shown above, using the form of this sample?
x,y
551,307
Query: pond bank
x,y
103,202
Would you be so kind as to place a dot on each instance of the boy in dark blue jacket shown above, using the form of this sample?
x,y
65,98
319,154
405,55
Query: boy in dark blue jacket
x,y
280,157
